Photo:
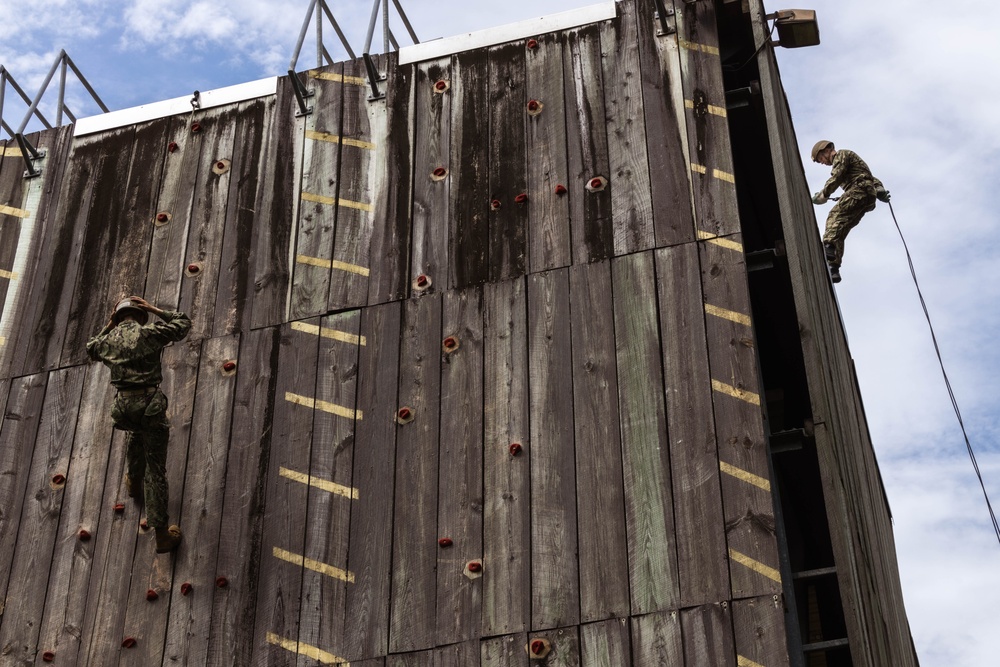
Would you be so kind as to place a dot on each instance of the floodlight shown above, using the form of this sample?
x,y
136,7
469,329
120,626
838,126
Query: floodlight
x,y
796,28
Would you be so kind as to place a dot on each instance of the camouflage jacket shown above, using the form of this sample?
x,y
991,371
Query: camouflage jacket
x,y
850,173
132,350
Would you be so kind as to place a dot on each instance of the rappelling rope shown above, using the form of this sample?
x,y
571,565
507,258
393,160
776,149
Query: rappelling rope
x,y
947,382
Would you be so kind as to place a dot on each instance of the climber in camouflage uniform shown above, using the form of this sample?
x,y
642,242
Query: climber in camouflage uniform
x,y
861,189
131,349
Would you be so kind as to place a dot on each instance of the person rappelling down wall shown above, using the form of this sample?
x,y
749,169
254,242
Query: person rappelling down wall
x,y
131,348
861,189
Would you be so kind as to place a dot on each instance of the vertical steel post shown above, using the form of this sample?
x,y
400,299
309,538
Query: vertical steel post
x,y
385,26
319,35
62,93
371,27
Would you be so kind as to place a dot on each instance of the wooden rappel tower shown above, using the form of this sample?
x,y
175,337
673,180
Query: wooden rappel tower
x,y
532,361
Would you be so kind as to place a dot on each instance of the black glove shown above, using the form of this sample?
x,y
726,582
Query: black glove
x,y
882,194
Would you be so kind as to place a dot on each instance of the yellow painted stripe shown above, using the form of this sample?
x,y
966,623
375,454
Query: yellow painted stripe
x,y
735,392
11,151
745,476
694,46
305,649
323,199
16,212
332,408
3,340
9,275
325,485
746,662
719,241
333,76
332,264
725,314
700,168
723,176
755,565
334,139
712,109
326,332
314,565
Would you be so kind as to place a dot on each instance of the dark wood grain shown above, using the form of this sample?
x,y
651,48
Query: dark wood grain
x,y
657,640
12,191
708,635
606,644
504,651
759,630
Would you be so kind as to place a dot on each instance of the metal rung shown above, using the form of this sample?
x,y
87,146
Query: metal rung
x,y
824,646
814,574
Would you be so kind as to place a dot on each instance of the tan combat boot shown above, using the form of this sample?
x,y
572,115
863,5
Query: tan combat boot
x,y
134,488
167,539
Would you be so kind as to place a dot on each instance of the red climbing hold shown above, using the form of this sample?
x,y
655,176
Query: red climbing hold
x,y
172,146
152,595
162,217
532,43
221,582
474,566
515,448
186,588
48,656
440,171
595,182
450,344
440,85
495,204
533,105
128,642
537,646
561,189
84,535
445,542
521,198
119,508
58,479
143,525
196,126
229,366
422,280
193,268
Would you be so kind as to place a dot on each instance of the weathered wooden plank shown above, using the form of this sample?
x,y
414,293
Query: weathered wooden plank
x,y
145,620
460,480
603,551
414,545
17,441
606,644
279,585
318,198
701,541
565,643
190,615
555,584
465,654
506,475
548,218
708,149
12,186
234,289
505,651
431,192
242,514
631,203
708,635
330,483
203,253
649,513
275,210
656,640
22,301
393,187
746,488
469,230
759,629
666,130
415,659
367,618
32,553
83,504
362,121
508,159
587,146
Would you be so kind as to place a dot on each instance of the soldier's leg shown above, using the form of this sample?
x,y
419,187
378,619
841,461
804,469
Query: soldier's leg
x,y
155,435
842,219
135,460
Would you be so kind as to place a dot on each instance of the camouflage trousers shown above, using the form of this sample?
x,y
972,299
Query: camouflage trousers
x,y
144,417
844,217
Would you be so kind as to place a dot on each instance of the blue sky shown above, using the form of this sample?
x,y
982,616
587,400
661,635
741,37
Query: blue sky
x,y
913,92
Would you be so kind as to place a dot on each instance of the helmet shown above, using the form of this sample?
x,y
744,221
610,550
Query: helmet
x,y
126,307
820,146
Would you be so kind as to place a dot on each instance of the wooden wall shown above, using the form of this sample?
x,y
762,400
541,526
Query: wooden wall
x,y
445,250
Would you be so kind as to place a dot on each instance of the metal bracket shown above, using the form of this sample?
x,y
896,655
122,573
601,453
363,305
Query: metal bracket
x,y
30,154
666,19
373,76
301,93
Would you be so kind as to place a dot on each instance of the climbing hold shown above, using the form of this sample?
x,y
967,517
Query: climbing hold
x,y
221,582
221,166
441,85
228,366
514,449
421,282
143,525
538,648
162,218
48,656
534,107
119,508
438,174
196,126
450,344
152,595
58,479
193,269
404,415
172,146
84,535
597,183
474,569
494,204
521,198
445,542
561,189
128,642
186,588
532,43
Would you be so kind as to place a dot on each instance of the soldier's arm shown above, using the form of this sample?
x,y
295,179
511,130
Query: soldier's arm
x,y
96,344
174,326
836,175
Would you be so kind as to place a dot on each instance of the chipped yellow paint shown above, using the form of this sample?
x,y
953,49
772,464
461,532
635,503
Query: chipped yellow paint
x,y
307,650
719,241
334,139
314,565
746,662
694,46
323,199
325,485
700,168
16,212
725,314
723,176
755,565
711,108
325,406
745,476
9,275
3,340
11,151
326,332
332,264
736,392
333,76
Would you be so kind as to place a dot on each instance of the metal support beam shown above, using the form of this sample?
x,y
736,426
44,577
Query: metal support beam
x,y
301,93
373,77
664,17
30,154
